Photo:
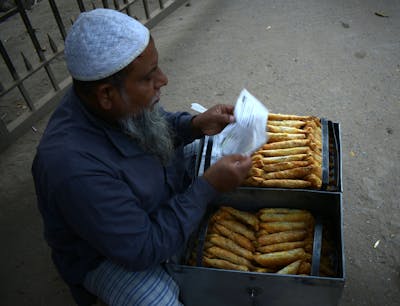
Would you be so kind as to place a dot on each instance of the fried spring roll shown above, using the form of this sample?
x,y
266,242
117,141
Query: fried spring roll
x,y
305,268
275,227
279,258
286,144
223,264
284,183
284,129
229,256
285,166
273,137
282,159
277,117
253,181
294,173
291,268
230,245
237,227
284,246
256,172
291,123
281,237
281,211
315,181
263,270
299,216
243,216
221,215
258,163
284,152
235,237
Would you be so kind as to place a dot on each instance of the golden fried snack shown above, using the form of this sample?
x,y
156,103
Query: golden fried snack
x,y
284,129
258,163
285,165
230,245
307,257
279,258
273,137
255,157
291,123
294,173
283,183
229,256
281,211
275,227
284,246
284,152
286,144
243,216
304,216
253,181
263,270
315,181
305,268
282,159
221,215
277,117
237,227
235,237
291,268
281,237
222,264
256,172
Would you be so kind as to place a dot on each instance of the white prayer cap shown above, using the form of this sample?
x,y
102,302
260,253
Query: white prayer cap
x,y
102,42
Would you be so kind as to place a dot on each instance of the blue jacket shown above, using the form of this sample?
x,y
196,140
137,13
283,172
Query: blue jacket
x,y
101,196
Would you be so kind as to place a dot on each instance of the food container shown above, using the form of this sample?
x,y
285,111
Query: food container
x,y
209,286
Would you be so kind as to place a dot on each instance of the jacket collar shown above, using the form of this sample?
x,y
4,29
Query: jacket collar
x,y
127,146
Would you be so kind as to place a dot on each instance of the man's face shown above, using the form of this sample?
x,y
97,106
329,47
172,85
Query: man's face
x,y
142,84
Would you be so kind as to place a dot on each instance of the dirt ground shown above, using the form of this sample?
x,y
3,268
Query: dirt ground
x,y
331,58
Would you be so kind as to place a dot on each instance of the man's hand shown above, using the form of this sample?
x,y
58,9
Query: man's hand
x,y
228,172
213,121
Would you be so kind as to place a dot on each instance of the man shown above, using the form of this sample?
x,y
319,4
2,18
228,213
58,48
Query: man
x,y
109,172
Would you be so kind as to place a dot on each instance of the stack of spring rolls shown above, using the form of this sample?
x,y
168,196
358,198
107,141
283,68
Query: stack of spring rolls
x,y
274,240
292,157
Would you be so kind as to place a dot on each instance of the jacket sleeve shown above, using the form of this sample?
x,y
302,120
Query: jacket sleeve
x,y
102,209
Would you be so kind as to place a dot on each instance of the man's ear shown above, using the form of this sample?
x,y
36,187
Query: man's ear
x,y
105,94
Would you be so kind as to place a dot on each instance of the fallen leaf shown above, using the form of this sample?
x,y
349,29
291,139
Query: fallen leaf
x,y
376,244
352,154
381,14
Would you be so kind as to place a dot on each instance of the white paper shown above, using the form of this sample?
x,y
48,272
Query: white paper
x,y
247,134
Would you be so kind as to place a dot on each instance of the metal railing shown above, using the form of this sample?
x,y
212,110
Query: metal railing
x,y
20,103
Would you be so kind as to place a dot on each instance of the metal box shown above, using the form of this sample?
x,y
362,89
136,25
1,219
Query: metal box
x,y
208,286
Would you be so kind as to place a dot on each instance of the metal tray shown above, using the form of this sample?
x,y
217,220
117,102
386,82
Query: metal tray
x,y
208,286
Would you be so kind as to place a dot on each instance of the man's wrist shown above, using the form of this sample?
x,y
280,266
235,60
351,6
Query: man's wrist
x,y
196,129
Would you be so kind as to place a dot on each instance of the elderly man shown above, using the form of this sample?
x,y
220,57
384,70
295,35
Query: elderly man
x,y
110,179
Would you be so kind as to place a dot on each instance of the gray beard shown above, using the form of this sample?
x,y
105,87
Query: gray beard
x,y
152,133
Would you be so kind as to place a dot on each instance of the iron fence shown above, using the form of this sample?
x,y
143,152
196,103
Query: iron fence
x,y
28,65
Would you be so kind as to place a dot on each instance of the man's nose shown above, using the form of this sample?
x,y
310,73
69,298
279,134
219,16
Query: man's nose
x,y
162,79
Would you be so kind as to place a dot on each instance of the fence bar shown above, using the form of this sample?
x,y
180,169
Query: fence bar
x,y
127,7
9,13
57,16
105,3
3,128
116,4
81,6
36,44
146,9
15,76
161,4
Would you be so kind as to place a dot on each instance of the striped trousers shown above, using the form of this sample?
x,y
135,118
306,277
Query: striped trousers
x,y
116,286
